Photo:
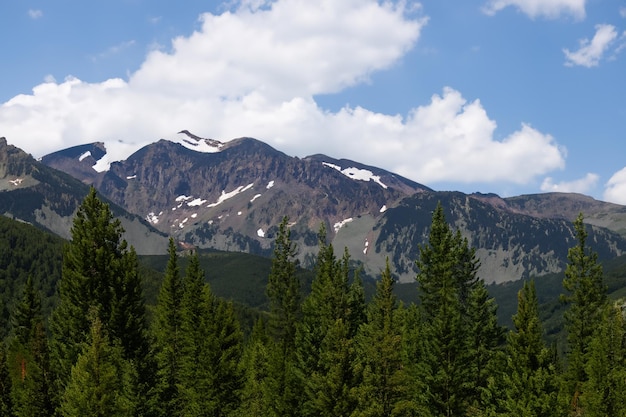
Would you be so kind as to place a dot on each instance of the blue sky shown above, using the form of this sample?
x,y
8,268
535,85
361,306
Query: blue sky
x,y
504,96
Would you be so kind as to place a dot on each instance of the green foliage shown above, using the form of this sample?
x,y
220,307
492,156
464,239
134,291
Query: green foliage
x,y
325,347
32,375
99,384
586,296
6,391
99,274
167,327
26,251
531,377
460,334
255,393
603,392
283,291
384,389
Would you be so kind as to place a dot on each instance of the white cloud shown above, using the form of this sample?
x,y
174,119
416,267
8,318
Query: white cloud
x,y
622,11
582,185
591,52
535,8
255,72
293,48
615,188
114,50
35,13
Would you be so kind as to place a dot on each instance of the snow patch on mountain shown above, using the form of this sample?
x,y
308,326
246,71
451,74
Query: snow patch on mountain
x,y
357,174
342,223
196,202
198,144
152,218
225,196
84,155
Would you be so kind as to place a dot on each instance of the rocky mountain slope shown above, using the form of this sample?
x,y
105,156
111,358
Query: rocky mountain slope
x,y
232,196
35,193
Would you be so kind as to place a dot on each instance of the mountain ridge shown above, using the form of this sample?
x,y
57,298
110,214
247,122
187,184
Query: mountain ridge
x,y
234,196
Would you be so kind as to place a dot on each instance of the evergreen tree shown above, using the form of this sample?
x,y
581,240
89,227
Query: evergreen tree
x,y
27,314
603,392
33,380
168,337
6,394
255,395
459,330
99,273
324,341
283,291
531,377
99,381
211,340
384,389
586,296
227,375
486,342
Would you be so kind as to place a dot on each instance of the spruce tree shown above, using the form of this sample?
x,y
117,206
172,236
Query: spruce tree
x,y
6,391
324,341
228,377
531,379
283,291
605,389
33,381
459,330
486,344
384,390
99,383
168,337
27,314
255,395
99,274
586,296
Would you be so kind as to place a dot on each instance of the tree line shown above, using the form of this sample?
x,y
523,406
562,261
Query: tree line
x,y
103,352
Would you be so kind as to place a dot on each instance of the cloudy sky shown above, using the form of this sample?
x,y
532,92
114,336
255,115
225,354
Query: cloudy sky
x,y
504,96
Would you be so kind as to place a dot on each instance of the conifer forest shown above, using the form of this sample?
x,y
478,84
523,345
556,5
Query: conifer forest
x,y
100,350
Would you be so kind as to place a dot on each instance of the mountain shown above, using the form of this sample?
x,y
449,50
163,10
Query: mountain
x,y
34,193
232,196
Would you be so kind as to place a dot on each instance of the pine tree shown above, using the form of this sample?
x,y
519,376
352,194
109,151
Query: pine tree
x,y
33,380
385,387
210,374
27,314
283,291
6,392
459,330
99,273
168,337
255,395
604,390
586,296
486,342
325,347
99,381
227,375
531,377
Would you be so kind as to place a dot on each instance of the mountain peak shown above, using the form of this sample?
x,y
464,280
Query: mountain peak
x,y
199,144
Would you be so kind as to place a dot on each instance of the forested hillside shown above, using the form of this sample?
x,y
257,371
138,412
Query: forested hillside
x,y
321,348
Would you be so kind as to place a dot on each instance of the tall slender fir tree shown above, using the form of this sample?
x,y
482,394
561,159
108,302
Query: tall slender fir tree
x,y
586,296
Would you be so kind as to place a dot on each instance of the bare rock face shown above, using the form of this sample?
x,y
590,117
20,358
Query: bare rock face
x,y
232,196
